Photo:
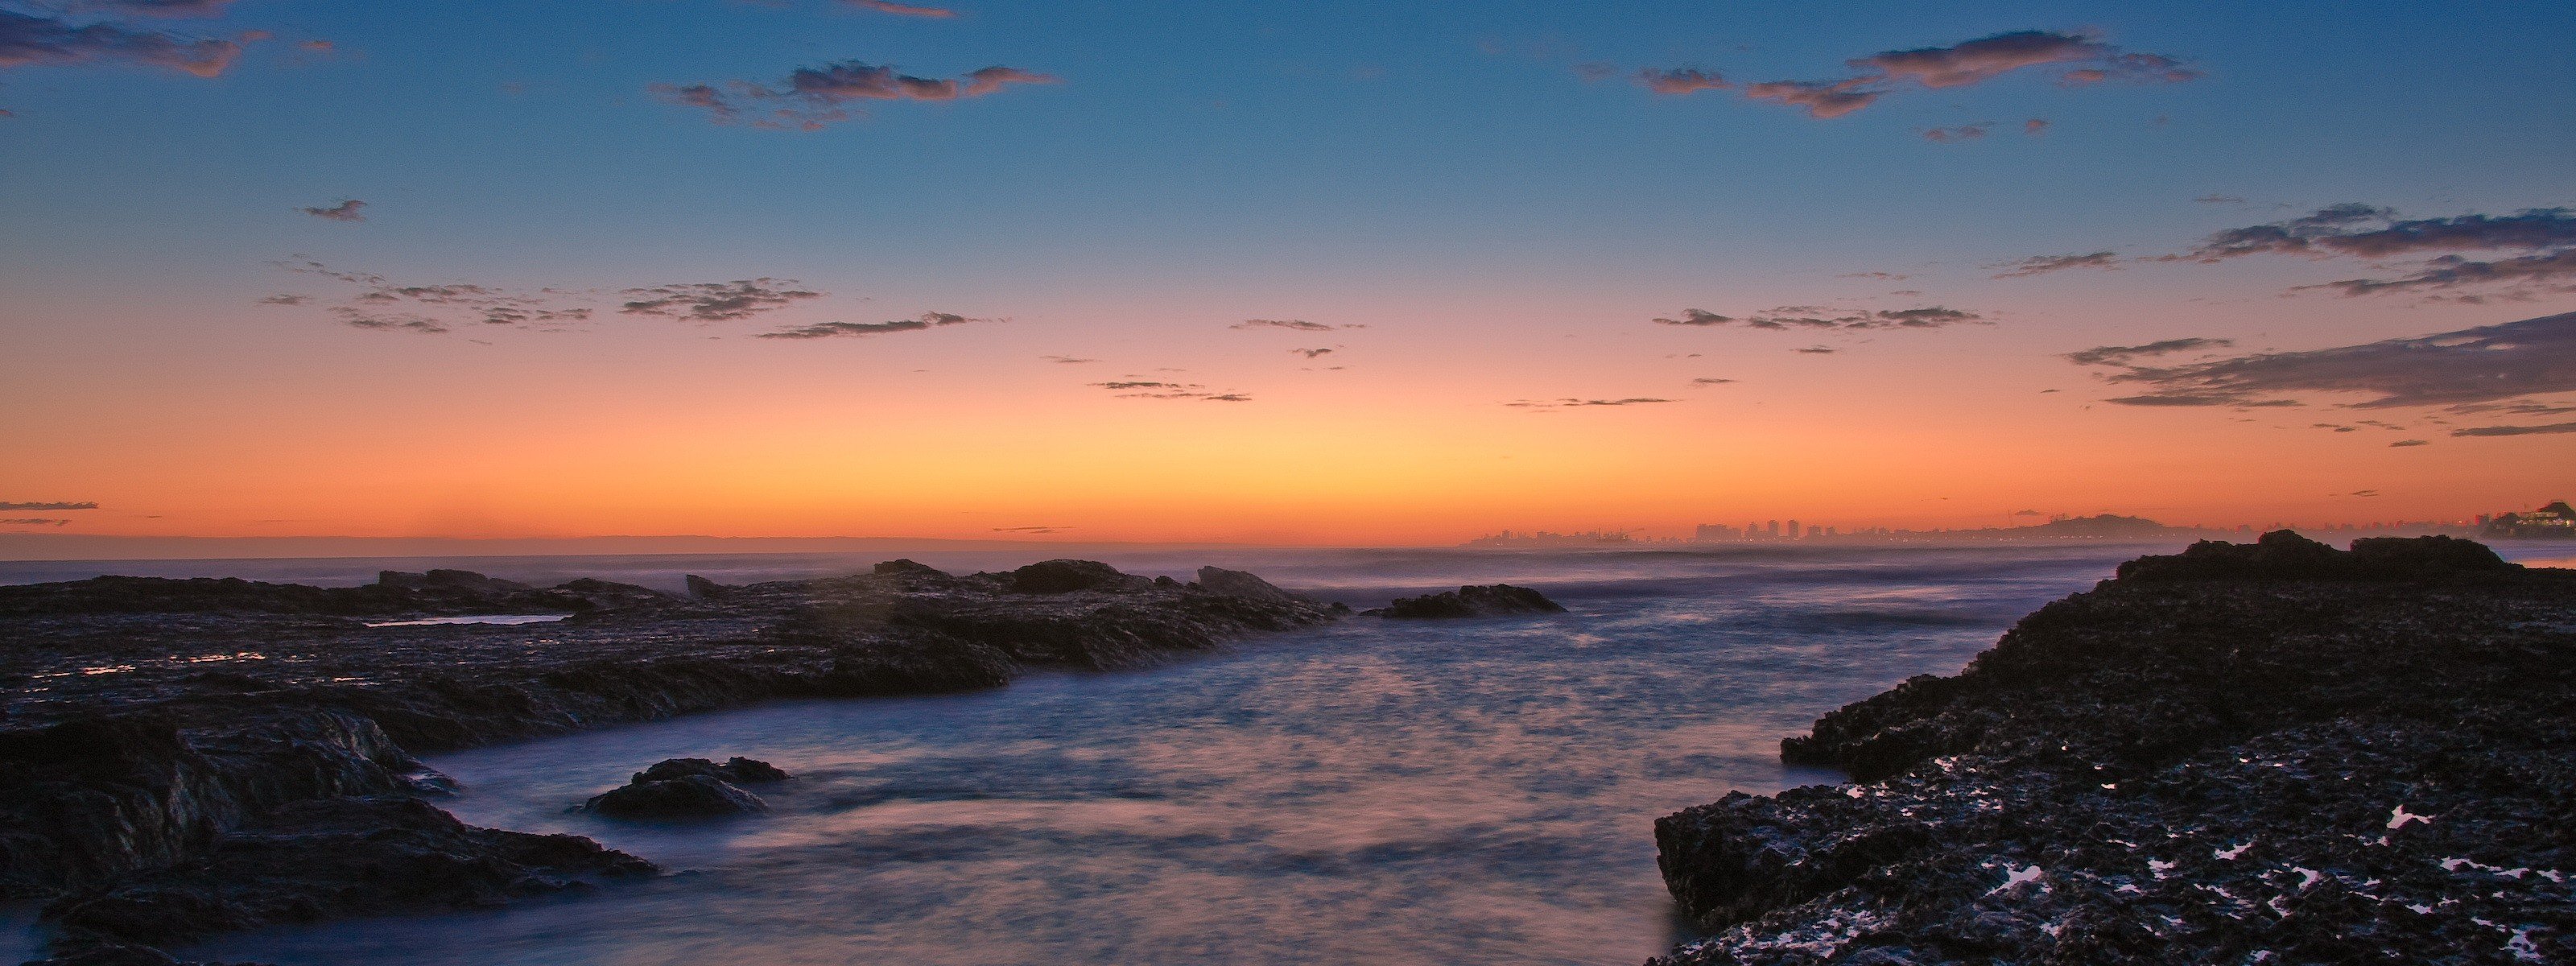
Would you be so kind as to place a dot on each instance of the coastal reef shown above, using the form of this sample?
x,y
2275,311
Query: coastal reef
x,y
183,757
2279,752
1491,600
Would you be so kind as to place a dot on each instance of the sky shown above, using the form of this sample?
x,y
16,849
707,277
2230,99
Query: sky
x,y
1318,273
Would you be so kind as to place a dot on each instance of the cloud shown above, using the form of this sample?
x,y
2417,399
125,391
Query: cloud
x,y
1888,276
2219,200
2515,430
2120,355
383,305
2452,271
2369,232
826,330
1788,317
1817,350
2043,264
1029,529
1697,317
347,210
1705,381
1300,325
2411,442
715,301
156,8
35,522
1155,389
1066,360
2028,513
1571,403
1683,80
49,505
902,10
1595,72
1964,64
1820,99
28,40
813,97
2034,126
1964,132
2486,364
1310,353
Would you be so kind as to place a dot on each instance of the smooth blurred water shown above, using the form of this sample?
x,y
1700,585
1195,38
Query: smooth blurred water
x,y
1367,792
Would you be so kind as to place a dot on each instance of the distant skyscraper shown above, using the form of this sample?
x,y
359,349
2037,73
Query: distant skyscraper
x,y
1775,529
1794,532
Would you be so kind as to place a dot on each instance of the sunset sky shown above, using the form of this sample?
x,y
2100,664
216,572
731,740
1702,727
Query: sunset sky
x,y
1314,273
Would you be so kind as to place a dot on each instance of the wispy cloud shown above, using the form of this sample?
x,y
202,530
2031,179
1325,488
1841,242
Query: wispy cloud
x,y
1067,360
2486,364
814,97
1964,132
902,10
1030,529
2087,59
34,40
49,505
35,522
1159,389
1683,80
1705,381
1300,325
2044,264
2035,126
2121,355
1788,317
827,330
349,209
1573,403
1310,353
382,304
2551,428
2412,442
2546,237
716,301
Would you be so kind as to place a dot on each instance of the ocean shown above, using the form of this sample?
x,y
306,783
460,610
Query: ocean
x,y
1366,792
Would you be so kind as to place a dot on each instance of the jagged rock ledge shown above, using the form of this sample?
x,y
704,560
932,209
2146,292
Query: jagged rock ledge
x,y
2278,752
180,757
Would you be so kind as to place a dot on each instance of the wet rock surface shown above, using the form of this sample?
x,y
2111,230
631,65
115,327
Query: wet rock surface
x,y
1491,600
157,732
2275,753
684,788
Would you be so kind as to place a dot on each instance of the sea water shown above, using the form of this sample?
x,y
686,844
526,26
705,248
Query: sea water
x,y
1365,792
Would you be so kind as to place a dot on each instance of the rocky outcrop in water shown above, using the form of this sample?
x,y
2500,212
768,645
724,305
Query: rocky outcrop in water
x,y
1493,600
2279,752
165,743
684,788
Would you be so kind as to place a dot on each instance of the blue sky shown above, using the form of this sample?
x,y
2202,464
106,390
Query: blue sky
x,y
1480,200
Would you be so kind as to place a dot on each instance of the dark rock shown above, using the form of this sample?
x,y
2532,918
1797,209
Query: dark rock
x,y
146,723
2217,754
1067,576
688,796
1494,600
738,769
336,858
704,589
2285,555
1236,583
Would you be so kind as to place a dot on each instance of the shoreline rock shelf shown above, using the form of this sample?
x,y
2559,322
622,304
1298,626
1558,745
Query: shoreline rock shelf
x,y
2277,752
179,757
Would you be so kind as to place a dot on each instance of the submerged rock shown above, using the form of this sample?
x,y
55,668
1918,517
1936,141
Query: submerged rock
x,y
1493,600
2264,753
688,788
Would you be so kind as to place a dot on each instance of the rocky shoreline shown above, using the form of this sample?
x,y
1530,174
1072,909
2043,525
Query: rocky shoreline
x,y
184,757
2277,752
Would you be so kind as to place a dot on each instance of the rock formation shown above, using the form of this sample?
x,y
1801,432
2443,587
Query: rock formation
x,y
2279,752
1494,600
